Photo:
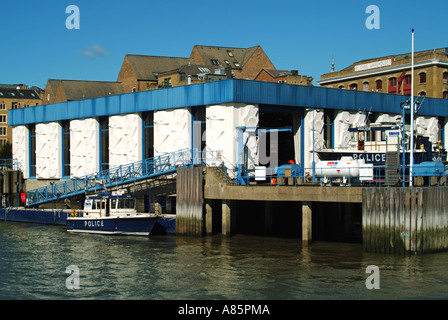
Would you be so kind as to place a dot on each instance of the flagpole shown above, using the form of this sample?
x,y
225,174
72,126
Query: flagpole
x,y
411,154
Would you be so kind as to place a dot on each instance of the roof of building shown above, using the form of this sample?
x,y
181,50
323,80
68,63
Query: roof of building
x,y
81,89
281,73
236,57
404,56
12,86
10,93
53,84
387,64
198,70
148,67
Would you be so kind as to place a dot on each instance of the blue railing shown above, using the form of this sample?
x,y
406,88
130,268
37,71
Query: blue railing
x,y
12,164
148,168
353,177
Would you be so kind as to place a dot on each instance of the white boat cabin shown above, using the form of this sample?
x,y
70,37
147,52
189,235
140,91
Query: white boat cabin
x,y
109,206
376,138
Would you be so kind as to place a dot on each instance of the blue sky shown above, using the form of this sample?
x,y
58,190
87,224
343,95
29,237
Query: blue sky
x,y
295,34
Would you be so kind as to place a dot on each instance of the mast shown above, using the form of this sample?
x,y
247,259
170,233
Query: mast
x,y
411,154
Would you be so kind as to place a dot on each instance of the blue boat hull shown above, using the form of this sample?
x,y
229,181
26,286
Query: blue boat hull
x,y
136,225
34,216
168,222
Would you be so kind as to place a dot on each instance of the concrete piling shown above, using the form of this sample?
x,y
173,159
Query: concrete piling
x,y
306,222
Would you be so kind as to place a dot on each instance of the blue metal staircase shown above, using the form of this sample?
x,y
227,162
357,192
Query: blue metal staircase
x,y
96,182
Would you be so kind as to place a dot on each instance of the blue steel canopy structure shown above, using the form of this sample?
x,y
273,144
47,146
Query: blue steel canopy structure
x,y
224,91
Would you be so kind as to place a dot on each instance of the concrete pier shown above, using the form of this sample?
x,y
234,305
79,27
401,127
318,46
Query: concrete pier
x,y
208,217
270,200
228,217
306,222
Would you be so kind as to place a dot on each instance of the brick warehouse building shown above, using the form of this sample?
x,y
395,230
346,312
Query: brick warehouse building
x,y
14,98
392,74
141,72
60,90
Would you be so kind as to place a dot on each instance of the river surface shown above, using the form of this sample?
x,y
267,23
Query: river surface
x,y
34,260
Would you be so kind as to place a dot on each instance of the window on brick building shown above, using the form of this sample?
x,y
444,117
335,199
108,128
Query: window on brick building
x,y
422,77
445,77
407,85
379,85
353,86
422,94
445,95
365,86
407,79
392,85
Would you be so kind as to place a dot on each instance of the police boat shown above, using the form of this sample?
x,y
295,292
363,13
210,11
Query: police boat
x,y
114,213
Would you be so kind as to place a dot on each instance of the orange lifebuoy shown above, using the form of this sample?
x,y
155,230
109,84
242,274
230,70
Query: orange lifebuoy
x,y
273,181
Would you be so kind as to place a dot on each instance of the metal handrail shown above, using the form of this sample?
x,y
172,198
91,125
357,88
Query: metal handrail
x,y
147,168
215,158
12,164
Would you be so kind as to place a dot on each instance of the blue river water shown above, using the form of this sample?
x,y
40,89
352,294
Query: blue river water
x,y
34,259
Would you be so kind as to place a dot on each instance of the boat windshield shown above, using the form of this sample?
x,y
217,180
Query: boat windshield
x,y
98,204
126,204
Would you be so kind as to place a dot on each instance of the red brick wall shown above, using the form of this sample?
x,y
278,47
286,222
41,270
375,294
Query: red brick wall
x,y
127,76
